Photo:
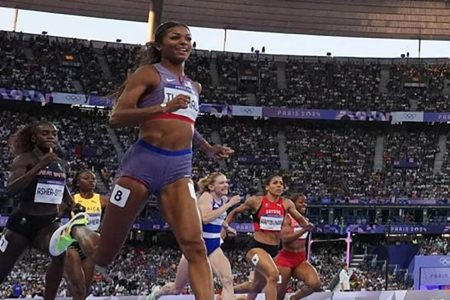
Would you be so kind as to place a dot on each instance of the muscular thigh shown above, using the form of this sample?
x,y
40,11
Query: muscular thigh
x,y
220,263
178,205
12,246
306,273
41,241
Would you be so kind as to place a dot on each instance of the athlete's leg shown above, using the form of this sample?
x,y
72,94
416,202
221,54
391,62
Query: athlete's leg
x,y
285,273
53,277
222,269
258,284
74,274
181,280
308,274
55,269
88,268
87,239
179,207
264,265
128,197
243,288
12,246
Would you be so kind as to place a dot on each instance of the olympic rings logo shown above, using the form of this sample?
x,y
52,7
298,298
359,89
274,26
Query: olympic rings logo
x,y
410,116
445,261
73,97
247,110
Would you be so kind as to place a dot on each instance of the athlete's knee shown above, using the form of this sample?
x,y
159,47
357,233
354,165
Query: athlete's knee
x,y
227,281
104,260
171,289
87,239
177,290
316,286
193,249
78,289
273,276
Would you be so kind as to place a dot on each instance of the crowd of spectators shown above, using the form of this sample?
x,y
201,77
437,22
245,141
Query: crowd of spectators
x,y
58,64
329,162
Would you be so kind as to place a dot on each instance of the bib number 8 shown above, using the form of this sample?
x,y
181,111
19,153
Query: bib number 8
x,y
119,196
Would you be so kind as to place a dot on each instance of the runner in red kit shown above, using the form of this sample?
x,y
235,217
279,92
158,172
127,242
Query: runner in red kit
x,y
269,212
291,260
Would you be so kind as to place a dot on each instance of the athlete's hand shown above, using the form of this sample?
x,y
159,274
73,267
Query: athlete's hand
x,y
219,152
310,226
179,102
48,158
231,231
76,209
233,201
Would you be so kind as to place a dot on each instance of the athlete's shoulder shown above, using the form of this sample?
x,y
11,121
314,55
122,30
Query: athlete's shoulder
x,y
197,85
24,159
205,196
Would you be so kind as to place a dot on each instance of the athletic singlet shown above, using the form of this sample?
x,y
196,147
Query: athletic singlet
x,y
269,216
93,209
48,186
168,88
298,227
212,229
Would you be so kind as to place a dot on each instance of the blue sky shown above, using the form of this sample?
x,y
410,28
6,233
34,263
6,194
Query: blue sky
x,y
213,39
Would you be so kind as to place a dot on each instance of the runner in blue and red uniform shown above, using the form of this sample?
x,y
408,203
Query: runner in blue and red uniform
x,y
164,102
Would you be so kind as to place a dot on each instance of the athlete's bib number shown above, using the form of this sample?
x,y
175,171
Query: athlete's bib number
x,y
94,222
304,236
191,111
272,223
49,192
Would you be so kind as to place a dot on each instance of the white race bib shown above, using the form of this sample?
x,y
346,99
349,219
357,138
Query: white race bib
x,y
272,223
304,236
94,222
192,111
49,192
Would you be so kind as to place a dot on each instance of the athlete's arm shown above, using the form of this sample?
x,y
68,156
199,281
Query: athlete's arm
x,y
103,201
214,151
249,204
290,208
20,177
205,205
125,112
287,231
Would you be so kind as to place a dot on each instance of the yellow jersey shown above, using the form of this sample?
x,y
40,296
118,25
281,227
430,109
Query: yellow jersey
x,y
93,207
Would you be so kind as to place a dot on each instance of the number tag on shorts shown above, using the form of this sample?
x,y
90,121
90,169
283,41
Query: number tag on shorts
x,y
3,244
119,195
192,190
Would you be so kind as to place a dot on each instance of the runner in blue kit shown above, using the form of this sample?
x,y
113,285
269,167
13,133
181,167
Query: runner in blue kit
x,y
160,99
38,178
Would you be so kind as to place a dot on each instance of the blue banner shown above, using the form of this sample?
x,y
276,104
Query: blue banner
x,y
325,114
431,272
436,117
238,110
161,225
100,101
22,95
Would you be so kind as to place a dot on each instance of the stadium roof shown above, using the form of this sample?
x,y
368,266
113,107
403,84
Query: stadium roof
x,y
427,19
